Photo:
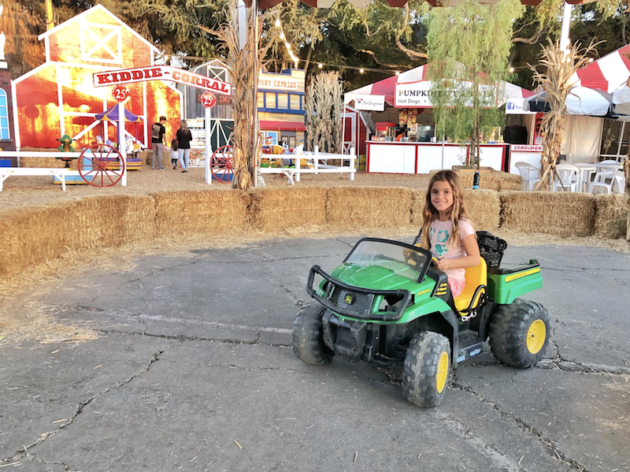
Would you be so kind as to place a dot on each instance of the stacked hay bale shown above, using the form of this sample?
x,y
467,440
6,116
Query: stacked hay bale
x,y
560,213
611,218
492,180
36,235
483,208
275,210
209,212
353,208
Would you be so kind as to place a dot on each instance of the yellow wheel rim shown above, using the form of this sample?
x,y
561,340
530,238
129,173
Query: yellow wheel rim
x,y
442,372
536,335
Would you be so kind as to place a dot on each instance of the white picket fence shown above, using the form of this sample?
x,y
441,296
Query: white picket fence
x,y
313,158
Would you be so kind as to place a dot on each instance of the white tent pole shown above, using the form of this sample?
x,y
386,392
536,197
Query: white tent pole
x,y
343,130
122,146
208,146
566,24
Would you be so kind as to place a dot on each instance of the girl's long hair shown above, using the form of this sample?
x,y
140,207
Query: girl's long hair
x,y
456,213
174,145
184,125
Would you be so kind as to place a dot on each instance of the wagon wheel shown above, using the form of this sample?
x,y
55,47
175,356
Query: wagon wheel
x,y
101,165
221,164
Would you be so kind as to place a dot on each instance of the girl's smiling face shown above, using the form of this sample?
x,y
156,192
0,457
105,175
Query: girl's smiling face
x,y
442,197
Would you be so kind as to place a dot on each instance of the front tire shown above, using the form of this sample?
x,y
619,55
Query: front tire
x,y
519,333
427,369
308,336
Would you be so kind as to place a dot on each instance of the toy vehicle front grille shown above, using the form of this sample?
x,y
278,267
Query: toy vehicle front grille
x,y
361,302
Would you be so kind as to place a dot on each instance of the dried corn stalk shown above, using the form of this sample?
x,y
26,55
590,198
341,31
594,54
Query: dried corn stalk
x,y
242,65
556,82
323,109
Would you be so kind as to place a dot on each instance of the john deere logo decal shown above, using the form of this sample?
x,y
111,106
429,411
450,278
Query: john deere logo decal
x,y
349,299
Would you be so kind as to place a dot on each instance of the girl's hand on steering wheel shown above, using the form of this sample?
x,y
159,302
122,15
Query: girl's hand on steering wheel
x,y
444,264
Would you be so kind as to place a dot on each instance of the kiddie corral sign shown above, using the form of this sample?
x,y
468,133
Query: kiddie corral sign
x,y
144,74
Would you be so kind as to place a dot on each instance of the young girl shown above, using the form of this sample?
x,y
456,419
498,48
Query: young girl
x,y
174,153
446,230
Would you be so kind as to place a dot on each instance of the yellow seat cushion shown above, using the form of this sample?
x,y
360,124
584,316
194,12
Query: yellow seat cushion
x,y
475,276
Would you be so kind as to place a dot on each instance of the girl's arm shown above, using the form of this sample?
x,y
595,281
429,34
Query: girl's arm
x,y
473,259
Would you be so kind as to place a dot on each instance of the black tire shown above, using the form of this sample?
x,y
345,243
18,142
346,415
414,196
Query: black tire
x,y
308,339
422,384
509,328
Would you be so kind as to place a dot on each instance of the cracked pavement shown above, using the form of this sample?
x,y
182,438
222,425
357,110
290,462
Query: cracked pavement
x,y
193,371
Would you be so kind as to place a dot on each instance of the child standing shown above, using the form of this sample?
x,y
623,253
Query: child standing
x,y
446,230
174,153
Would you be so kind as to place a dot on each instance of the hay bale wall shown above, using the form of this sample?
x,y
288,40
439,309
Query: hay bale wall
x,y
35,235
350,208
274,210
483,208
611,217
560,213
203,212
493,180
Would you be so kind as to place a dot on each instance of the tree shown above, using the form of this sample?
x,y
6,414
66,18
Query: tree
x,y
469,46
21,24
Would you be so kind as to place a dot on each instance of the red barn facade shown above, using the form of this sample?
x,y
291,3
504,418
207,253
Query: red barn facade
x,y
59,97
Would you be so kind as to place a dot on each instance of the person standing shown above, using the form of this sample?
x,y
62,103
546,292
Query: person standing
x,y
157,141
184,137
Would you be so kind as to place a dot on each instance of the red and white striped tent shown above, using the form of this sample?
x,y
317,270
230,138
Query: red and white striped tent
x,y
514,95
263,4
607,73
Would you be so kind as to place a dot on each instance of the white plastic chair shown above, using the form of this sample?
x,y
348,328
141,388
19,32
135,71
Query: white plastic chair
x,y
569,176
616,185
529,173
605,173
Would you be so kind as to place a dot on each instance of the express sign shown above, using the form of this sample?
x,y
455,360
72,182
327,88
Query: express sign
x,y
144,74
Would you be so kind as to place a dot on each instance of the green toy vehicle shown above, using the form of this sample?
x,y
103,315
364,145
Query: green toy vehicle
x,y
387,304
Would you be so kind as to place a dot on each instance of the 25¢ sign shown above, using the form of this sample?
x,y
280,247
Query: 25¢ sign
x,y
120,93
208,99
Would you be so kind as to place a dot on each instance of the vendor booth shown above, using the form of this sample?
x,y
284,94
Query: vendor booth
x,y
405,140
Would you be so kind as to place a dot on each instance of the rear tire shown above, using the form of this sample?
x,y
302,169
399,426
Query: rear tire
x,y
519,333
308,336
427,369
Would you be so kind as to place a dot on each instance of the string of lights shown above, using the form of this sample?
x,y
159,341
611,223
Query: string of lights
x,y
321,65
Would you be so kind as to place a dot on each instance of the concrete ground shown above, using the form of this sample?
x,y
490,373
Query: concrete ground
x,y
193,371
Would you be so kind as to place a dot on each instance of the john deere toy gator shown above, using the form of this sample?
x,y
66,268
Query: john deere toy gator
x,y
388,304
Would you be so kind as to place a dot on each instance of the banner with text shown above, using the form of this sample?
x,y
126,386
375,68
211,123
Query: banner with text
x,y
412,94
369,102
144,74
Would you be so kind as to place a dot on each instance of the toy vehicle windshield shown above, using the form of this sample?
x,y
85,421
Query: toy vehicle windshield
x,y
404,260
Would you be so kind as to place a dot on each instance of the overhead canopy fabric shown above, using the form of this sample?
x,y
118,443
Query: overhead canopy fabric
x,y
264,4
417,78
621,100
581,101
112,115
607,73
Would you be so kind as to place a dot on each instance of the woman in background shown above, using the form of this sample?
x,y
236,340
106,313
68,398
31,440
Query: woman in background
x,y
184,137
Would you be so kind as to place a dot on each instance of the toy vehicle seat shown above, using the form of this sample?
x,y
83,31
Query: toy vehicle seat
x,y
475,289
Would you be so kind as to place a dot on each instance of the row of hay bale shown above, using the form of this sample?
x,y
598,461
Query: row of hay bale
x,y
37,235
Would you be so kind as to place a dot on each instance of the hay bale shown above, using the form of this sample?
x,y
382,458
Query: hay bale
x,y
34,236
491,180
560,213
277,209
611,217
45,162
202,212
350,208
483,208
